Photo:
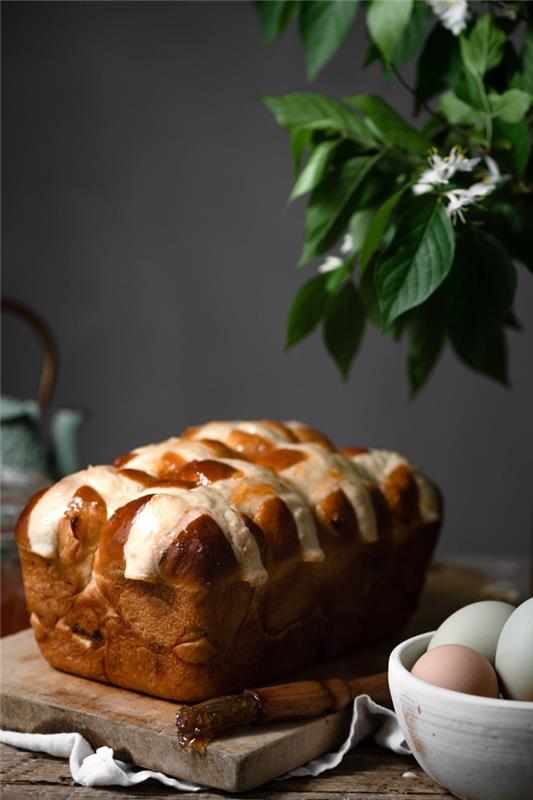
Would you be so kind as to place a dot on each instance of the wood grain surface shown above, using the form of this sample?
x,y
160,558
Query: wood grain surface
x,y
141,729
368,773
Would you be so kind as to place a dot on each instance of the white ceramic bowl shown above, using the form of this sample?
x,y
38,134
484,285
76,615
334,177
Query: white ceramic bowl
x,y
476,747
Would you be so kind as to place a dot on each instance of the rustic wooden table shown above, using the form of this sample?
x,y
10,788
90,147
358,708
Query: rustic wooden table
x,y
367,773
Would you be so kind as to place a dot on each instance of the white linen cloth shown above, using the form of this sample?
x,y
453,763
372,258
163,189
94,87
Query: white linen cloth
x,y
100,768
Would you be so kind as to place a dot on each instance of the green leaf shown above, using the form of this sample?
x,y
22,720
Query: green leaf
x,y
438,65
386,21
515,81
390,124
527,63
367,291
519,144
358,227
344,325
307,110
457,112
480,292
483,48
336,277
300,140
426,329
372,54
469,88
418,260
511,106
331,205
377,227
314,170
274,16
488,356
507,73
413,35
308,308
512,225
323,27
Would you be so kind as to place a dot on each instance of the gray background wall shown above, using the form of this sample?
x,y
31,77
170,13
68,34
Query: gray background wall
x,y
145,219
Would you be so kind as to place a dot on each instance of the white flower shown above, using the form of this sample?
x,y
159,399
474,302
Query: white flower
x,y
443,169
427,181
451,13
457,199
331,263
494,170
459,163
479,190
347,244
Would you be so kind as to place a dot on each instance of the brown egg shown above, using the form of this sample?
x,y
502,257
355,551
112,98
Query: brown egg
x,y
459,668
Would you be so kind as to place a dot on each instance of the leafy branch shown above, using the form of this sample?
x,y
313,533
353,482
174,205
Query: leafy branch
x,y
425,250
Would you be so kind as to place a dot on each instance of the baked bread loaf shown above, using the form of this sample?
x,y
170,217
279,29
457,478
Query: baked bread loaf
x,y
227,557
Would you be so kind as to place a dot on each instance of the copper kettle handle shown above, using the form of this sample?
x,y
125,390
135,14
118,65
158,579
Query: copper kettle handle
x,y
49,368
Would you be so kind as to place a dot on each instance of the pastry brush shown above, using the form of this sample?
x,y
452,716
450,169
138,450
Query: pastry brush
x,y
201,723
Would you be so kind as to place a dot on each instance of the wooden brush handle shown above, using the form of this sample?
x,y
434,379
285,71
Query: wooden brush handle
x,y
377,686
199,724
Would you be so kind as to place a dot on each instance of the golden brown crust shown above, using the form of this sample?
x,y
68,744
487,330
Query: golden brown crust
x,y
353,451
381,510
21,530
52,585
249,445
280,459
337,515
277,525
190,432
201,554
197,629
115,535
219,449
171,465
79,530
280,428
207,471
138,476
121,461
401,492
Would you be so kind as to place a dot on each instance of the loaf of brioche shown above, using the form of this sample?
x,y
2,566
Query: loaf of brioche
x,y
231,556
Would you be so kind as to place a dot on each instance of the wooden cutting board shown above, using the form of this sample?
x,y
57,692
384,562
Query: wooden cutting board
x,y
141,729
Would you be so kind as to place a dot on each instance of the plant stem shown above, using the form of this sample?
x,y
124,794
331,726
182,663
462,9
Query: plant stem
x,y
398,75
461,134
487,111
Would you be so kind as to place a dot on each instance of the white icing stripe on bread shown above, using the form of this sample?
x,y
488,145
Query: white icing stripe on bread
x,y
114,488
309,481
147,458
377,464
320,473
158,523
260,476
